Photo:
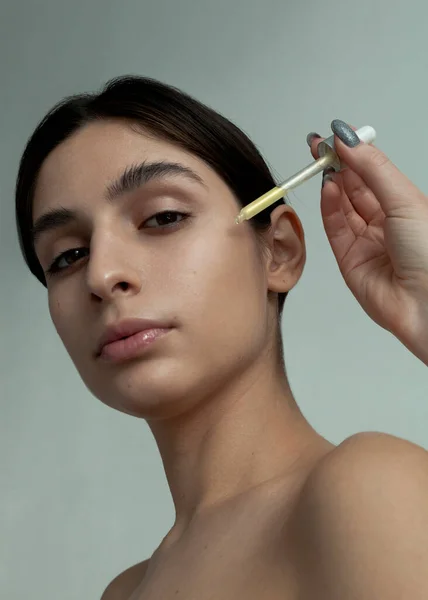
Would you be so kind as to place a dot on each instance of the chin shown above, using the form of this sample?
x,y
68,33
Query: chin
x,y
155,391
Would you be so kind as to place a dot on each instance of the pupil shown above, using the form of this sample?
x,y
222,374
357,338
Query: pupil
x,y
74,254
168,217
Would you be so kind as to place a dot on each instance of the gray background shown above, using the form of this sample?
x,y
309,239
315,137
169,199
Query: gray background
x,y
83,493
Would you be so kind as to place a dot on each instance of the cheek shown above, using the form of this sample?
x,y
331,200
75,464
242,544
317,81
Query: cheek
x,y
56,313
222,277
63,320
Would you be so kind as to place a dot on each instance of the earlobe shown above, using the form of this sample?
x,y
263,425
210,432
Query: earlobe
x,y
287,251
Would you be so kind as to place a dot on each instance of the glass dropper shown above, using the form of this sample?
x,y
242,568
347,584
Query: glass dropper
x,y
328,158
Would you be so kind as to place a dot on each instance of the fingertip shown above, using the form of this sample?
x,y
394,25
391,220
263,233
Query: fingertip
x,y
326,181
327,177
314,147
312,135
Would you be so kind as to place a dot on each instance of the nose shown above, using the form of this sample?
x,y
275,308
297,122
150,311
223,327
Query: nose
x,y
112,271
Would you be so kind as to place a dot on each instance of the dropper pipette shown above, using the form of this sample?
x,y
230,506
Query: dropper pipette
x,y
328,158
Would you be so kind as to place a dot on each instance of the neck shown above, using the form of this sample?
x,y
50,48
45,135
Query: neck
x,y
251,433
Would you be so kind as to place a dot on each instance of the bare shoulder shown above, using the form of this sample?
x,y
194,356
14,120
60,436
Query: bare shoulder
x,y
365,452
363,510
122,586
356,474
368,446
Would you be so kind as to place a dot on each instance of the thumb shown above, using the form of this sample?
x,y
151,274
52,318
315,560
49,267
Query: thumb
x,y
391,187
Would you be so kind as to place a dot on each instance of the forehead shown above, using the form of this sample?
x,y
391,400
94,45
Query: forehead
x,y
82,165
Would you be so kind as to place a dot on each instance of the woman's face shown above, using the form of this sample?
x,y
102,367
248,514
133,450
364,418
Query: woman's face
x,y
193,271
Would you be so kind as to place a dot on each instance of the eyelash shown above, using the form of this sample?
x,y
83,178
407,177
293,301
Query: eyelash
x,y
54,268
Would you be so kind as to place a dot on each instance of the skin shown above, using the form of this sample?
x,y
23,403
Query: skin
x,y
376,221
213,390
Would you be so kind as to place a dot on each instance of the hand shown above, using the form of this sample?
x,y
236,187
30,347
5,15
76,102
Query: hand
x,y
376,221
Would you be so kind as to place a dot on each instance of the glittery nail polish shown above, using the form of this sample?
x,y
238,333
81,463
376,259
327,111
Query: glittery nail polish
x,y
327,175
345,133
311,137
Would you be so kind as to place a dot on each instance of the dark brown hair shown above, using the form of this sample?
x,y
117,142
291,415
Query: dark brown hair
x,y
164,111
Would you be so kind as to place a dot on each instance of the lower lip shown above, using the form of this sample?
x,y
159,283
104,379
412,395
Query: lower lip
x,y
131,346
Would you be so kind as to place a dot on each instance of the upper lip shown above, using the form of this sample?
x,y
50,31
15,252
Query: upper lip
x,y
126,328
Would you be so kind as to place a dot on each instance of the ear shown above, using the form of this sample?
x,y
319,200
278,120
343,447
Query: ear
x,y
286,250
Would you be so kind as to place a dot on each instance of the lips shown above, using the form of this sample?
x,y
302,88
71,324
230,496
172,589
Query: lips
x,y
126,328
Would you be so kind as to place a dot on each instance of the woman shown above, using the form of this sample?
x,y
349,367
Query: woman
x,y
126,203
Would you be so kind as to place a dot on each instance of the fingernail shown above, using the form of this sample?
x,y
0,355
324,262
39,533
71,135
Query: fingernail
x,y
328,171
311,137
345,133
327,176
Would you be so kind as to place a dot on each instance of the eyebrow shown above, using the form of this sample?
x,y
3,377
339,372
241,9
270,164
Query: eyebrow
x,y
132,178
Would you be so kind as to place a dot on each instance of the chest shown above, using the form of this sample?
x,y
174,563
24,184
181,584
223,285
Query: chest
x,y
253,557
224,577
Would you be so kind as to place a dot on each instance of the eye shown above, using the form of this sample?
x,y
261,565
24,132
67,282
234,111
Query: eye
x,y
166,218
67,258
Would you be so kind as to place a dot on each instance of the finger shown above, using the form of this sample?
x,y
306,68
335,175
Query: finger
x,y
313,139
314,147
337,227
358,202
389,185
360,197
356,221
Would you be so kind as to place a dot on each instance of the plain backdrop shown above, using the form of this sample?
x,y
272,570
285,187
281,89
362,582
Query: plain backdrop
x,y
83,492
